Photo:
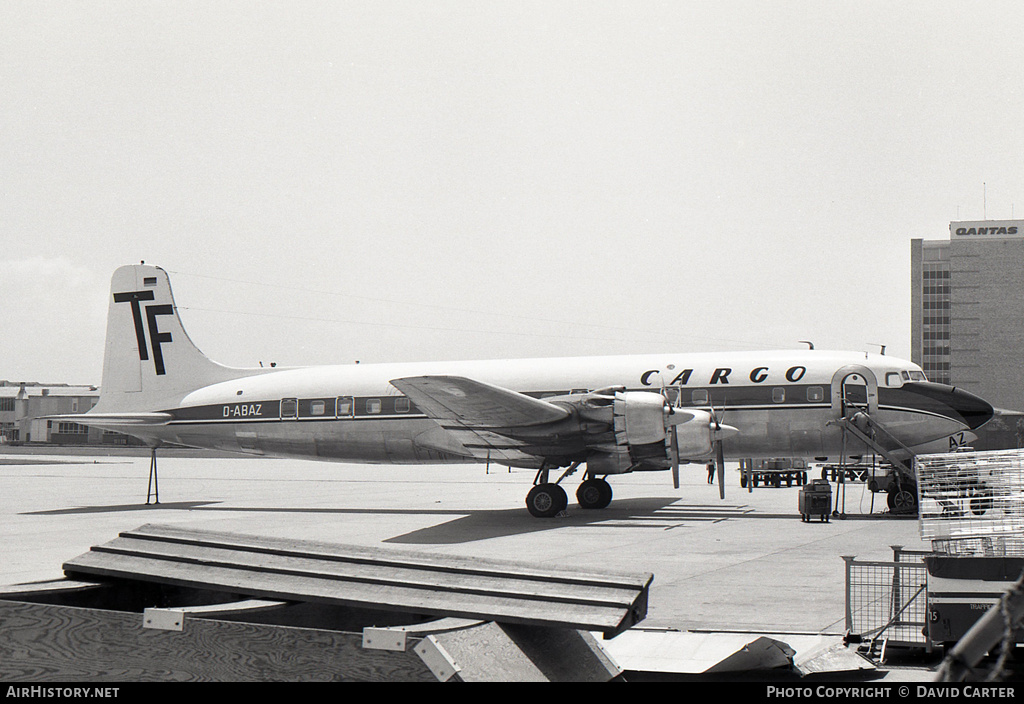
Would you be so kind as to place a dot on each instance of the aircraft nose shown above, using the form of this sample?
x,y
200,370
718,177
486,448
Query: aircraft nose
x,y
956,404
975,410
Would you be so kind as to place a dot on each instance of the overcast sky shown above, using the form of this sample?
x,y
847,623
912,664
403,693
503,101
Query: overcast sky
x,y
333,181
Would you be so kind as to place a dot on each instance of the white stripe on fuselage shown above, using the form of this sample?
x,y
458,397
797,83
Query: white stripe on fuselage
x,y
703,370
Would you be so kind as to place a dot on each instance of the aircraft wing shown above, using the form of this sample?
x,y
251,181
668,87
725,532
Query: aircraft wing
x,y
476,404
476,413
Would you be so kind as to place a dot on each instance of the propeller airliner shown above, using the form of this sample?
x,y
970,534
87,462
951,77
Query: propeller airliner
x,y
612,415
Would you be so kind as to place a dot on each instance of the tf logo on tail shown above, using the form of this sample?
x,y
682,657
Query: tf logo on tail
x,y
156,338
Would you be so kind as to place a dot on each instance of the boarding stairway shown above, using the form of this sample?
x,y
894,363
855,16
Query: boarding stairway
x,y
861,425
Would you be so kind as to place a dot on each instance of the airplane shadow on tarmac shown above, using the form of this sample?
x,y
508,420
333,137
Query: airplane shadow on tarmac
x,y
658,513
465,526
647,513
117,508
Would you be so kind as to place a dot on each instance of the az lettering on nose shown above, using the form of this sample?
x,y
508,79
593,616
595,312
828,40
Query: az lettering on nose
x,y
156,337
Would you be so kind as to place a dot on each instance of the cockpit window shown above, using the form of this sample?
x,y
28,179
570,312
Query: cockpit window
x,y
918,376
893,379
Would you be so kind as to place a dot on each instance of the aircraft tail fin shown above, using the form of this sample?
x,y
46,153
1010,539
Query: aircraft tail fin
x,y
149,360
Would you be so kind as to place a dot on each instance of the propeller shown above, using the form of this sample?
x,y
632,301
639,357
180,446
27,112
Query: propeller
x,y
720,461
673,449
717,428
674,453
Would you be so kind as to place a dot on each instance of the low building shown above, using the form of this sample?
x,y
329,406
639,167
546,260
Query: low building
x,y
23,403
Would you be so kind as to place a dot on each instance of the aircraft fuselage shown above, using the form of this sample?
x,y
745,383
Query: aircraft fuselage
x,y
781,403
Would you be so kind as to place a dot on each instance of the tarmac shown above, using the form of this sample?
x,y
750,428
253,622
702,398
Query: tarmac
x,y
744,564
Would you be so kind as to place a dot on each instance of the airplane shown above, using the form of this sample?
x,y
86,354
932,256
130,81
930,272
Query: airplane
x,y
613,414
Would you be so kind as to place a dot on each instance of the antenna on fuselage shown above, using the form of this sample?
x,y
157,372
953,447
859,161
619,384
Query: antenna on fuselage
x,y
880,345
810,345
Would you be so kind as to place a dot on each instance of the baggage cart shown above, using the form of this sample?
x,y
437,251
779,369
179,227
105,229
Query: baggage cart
x,y
815,499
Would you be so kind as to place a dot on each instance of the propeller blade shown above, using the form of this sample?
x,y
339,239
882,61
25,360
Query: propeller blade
x,y
720,430
720,461
674,452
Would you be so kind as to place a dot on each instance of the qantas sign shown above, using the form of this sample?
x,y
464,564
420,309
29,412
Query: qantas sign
x,y
987,228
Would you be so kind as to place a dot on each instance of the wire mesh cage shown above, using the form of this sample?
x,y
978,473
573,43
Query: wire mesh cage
x,y
887,600
972,503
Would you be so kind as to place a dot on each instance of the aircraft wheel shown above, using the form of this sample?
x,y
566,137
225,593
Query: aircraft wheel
x,y
594,493
901,500
546,500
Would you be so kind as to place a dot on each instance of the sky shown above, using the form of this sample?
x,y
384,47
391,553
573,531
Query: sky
x,y
332,181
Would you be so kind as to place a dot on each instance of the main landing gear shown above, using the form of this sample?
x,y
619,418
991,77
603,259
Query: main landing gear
x,y
547,499
594,493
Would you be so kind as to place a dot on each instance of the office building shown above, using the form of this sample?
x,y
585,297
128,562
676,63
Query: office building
x,y
967,302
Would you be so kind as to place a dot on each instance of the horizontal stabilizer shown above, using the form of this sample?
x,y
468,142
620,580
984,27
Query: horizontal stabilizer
x,y
475,404
105,420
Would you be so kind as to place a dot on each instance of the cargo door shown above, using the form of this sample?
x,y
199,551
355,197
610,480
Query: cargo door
x,y
854,388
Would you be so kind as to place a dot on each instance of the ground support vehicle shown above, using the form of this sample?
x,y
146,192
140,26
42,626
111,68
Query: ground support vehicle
x,y
773,472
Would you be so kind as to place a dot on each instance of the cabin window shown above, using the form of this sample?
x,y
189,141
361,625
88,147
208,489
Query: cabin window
x,y
344,406
699,397
317,408
815,393
402,405
289,408
778,395
373,405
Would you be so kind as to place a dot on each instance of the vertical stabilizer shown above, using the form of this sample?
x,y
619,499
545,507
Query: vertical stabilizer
x,y
149,361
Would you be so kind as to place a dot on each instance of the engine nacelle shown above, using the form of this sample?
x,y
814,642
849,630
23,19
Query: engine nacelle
x,y
694,437
639,418
639,425
645,428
